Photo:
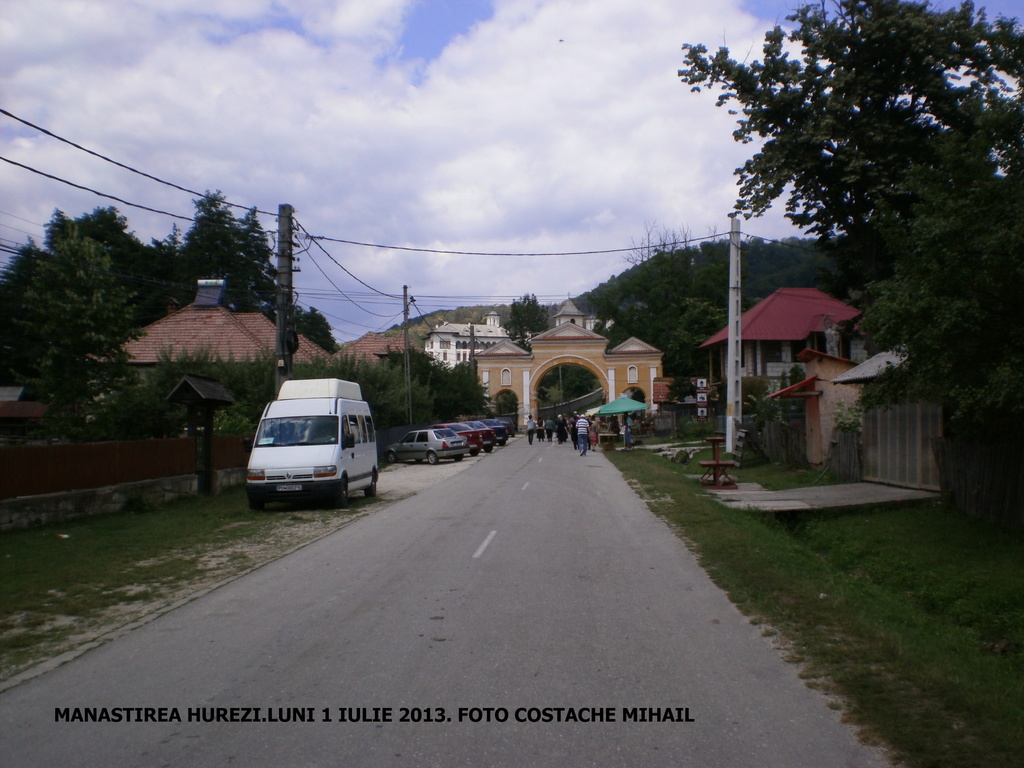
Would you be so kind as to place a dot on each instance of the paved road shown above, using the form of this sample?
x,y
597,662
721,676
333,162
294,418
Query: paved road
x,y
529,611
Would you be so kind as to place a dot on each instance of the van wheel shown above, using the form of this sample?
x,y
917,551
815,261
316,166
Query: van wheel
x,y
371,489
341,500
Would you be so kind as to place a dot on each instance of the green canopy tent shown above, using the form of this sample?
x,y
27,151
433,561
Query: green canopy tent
x,y
621,405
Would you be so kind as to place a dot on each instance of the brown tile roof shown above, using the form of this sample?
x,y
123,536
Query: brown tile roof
x,y
226,335
374,346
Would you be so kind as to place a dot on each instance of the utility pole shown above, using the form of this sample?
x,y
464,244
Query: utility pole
x,y
286,338
408,372
734,357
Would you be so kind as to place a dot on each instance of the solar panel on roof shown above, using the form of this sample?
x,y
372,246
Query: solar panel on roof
x,y
210,293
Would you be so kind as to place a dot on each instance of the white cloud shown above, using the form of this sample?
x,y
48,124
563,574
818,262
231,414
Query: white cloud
x,y
553,126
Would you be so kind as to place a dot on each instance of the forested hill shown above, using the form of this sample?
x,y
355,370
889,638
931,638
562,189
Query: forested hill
x,y
767,266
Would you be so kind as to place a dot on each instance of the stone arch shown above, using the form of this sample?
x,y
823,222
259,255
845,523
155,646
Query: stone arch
x,y
567,344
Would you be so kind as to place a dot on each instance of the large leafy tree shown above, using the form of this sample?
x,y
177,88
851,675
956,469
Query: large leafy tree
x,y
526,319
953,306
850,103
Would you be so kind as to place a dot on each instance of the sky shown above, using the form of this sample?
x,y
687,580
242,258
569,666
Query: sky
x,y
496,145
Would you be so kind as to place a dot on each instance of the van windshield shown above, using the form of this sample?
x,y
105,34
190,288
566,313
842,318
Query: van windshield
x,y
298,430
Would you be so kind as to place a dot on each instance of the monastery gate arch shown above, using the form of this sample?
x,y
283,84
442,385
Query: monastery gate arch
x,y
507,367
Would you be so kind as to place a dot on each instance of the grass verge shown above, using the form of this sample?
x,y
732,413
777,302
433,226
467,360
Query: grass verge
x,y
913,616
65,584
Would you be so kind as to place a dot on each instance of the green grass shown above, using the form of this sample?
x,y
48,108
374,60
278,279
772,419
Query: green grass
x,y
58,580
914,616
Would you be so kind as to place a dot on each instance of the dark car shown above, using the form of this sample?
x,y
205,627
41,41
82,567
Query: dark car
x,y
430,444
500,430
478,439
510,424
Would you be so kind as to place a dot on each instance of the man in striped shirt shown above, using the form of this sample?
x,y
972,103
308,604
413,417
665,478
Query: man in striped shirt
x,y
582,434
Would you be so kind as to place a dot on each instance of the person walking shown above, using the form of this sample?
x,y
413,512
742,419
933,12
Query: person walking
x,y
627,431
582,434
549,429
531,427
572,430
562,428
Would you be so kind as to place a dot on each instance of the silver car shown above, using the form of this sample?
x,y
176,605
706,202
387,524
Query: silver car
x,y
430,444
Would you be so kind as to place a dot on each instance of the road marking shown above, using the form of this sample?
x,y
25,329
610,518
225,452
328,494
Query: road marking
x,y
525,486
483,546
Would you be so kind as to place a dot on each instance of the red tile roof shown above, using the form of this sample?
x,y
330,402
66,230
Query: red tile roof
x,y
789,314
226,335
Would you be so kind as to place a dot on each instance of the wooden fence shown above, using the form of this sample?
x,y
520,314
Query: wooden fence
x,y
985,481
786,443
898,445
33,470
844,460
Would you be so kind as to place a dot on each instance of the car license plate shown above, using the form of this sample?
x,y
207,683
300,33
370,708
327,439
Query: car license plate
x,y
293,487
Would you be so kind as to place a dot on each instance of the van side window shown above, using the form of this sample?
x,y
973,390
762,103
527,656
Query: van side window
x,y
370,434
346,429
357,433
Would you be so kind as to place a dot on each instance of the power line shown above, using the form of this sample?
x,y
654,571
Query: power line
x,y
94,191
126,167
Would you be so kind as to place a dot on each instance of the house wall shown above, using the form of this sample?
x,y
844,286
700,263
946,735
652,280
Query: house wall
x,y
821,410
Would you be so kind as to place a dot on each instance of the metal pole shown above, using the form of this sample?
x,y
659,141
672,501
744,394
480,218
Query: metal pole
x,y
734,358
284,295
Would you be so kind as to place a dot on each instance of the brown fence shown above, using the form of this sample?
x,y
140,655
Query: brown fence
x,y
845,458
33,470
985,481
786,443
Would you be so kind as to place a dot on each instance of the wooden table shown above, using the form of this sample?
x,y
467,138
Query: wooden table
x,y
716,471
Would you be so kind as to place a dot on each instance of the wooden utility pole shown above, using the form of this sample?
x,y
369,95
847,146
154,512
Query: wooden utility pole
x,y
408,371
286,338
734,358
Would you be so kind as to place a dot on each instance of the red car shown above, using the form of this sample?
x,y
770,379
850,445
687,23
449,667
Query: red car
x,y
478,439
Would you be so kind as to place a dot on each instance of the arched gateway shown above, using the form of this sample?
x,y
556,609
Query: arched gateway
x,y
506,366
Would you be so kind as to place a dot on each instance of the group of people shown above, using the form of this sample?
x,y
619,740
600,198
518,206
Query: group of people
x,y
578,428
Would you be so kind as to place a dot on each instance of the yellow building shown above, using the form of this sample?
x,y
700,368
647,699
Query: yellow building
x,y
506,367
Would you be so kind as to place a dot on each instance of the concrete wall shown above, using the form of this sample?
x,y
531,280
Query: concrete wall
x,y
31,511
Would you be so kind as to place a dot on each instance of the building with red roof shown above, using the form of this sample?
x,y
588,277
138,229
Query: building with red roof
x,y
777,329
206,326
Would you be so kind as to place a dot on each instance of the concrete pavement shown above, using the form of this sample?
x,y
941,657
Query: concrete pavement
x,y
753,496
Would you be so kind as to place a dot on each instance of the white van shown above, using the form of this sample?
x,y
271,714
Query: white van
x,y
315,443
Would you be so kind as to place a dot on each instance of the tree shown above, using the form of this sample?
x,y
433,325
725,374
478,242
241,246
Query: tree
x,y
314,326
526,319
953,306
75,313
878,85
220,246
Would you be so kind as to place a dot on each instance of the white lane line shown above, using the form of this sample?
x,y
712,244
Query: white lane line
x,y
483,546
525,486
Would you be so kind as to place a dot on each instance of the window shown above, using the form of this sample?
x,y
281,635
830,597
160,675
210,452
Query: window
x,y
632,377
506,377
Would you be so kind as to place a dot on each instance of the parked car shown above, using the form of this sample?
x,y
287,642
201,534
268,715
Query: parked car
x,y
430,444
510,424
478,439
500,430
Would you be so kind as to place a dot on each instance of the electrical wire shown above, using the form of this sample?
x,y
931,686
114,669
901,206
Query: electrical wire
x,y
157,179
94,191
